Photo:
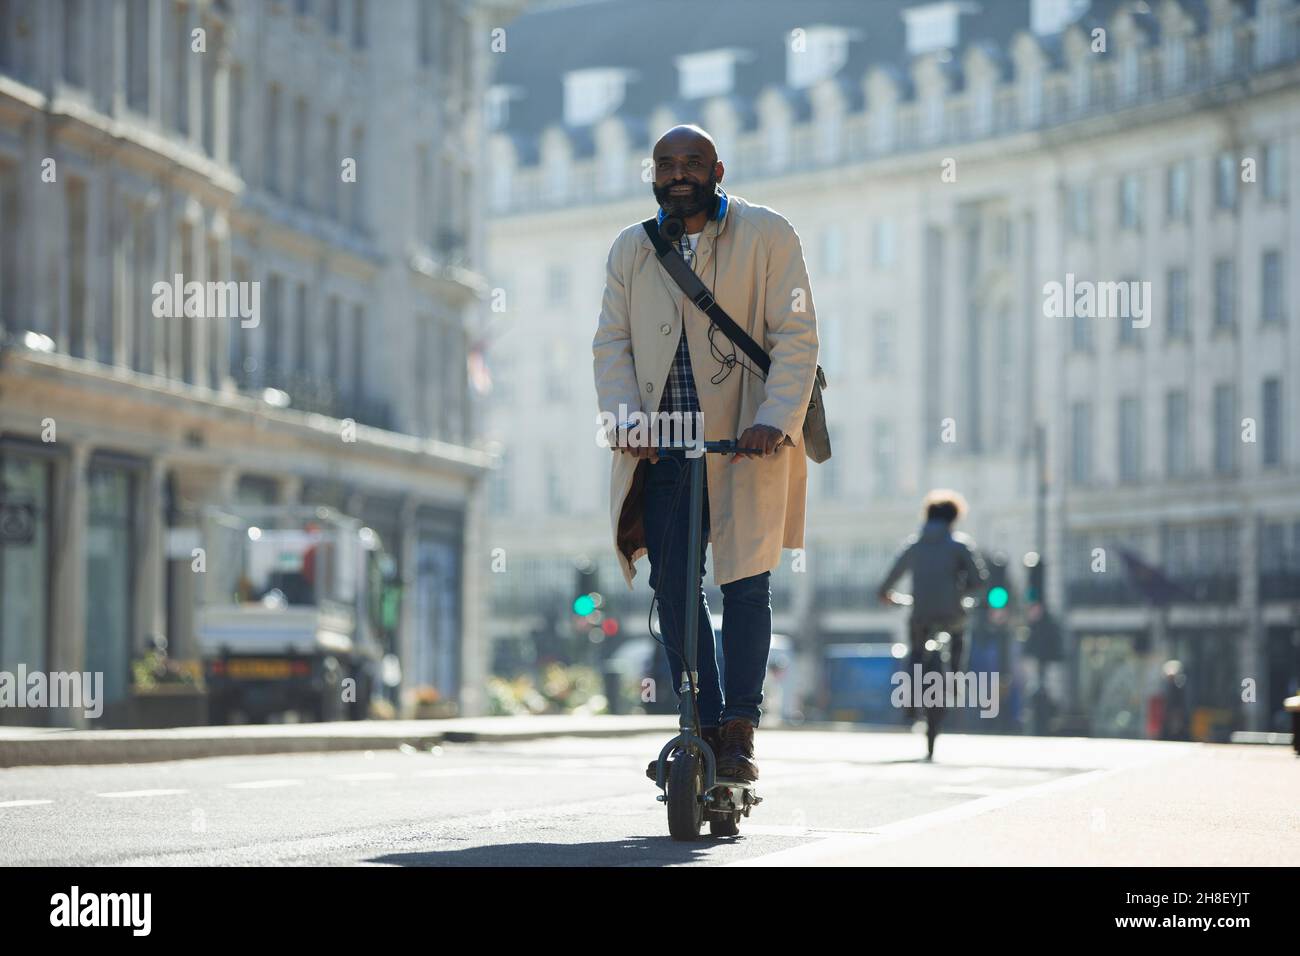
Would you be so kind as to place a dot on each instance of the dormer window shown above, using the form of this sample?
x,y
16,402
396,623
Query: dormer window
x,y
1048,17
592,94
935,26
815,54
707,73
496,105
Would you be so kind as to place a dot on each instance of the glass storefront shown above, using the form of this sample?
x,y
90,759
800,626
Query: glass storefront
x,y
1112,683
24,567
109,577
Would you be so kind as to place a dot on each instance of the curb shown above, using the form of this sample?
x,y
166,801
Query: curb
x,y
64,748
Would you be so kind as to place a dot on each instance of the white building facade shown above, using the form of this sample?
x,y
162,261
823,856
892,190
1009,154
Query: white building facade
x,y
324,151
937,193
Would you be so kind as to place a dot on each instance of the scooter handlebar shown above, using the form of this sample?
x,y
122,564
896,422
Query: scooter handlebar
x,y
725,446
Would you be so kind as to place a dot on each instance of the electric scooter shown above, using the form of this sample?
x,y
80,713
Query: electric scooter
x,y
692,789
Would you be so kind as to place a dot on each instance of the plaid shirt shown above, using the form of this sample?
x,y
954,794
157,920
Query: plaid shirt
x,y
679,392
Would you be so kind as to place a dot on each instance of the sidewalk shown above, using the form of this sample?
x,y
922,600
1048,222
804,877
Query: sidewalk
x,y
27,746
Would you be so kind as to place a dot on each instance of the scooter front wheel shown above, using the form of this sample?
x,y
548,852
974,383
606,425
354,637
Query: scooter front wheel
x,y
685,787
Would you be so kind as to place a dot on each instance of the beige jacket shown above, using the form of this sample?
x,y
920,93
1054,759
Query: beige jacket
x,y
756,505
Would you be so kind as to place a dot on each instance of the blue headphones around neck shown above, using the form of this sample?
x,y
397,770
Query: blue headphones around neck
x,y
717,213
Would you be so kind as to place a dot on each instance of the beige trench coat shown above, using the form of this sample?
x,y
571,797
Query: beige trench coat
x,y
756,505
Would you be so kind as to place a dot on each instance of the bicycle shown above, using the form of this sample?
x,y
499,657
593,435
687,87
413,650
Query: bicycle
x,y
935,659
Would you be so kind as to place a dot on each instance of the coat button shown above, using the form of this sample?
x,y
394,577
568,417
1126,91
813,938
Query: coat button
x,y
666,328
649,386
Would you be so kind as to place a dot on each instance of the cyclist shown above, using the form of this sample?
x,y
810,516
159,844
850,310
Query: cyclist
x,y
945,569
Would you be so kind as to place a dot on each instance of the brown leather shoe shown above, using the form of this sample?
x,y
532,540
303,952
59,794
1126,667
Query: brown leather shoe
x,y
710,735
737,760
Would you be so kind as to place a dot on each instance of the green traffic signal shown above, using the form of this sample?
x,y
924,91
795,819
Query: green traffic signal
x,y
583,605
998,597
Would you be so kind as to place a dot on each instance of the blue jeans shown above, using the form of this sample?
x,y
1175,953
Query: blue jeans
x,y
746,604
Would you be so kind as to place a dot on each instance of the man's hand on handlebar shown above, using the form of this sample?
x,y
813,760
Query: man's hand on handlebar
x,y
620,442
765,437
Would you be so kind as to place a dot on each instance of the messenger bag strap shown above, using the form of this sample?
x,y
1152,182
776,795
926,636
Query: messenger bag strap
x,y
699,293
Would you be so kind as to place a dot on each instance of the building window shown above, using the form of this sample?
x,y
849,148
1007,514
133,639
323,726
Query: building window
x,y
832,251
1128,331
1081,333
426,31
1270,287
1176,303
330,181
181,82
358,352
1225,429
1080,443
1176,192
1225,181
499,486
883,458
74,57
1079,211
137,55
1225,293
884,250
358,24
882,340
1130,202
271,141
557,286
1130,439
302,353
356,189
1274,171
1177,460
300,151
274,309
1271,426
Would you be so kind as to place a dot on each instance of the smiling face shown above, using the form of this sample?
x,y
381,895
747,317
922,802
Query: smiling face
x,y
687,173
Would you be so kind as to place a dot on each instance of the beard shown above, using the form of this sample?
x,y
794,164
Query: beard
x,y
700,199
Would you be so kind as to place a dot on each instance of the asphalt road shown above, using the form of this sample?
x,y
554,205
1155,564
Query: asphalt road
x,y
828,798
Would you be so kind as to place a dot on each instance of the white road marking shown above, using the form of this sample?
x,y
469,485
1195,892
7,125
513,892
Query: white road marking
x,y
262,784
23,803
141,793
359,777
837,848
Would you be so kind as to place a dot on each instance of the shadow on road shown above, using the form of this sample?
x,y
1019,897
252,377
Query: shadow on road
x,y
633,851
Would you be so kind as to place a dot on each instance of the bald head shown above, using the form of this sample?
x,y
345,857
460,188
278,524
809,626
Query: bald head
x,y
687,139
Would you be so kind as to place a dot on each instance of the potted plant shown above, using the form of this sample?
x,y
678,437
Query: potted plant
x,y
166,692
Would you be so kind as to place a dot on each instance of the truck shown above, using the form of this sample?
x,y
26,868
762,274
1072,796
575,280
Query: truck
x,y
296,612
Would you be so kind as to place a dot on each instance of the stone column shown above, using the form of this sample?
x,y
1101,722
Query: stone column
x,y
221,118
406,636
200,325
163,237
68,572
474,648
222,327
1252,658
151,552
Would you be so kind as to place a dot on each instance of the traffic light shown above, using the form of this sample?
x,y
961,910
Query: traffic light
x,y
587,615
1045,642
997,589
